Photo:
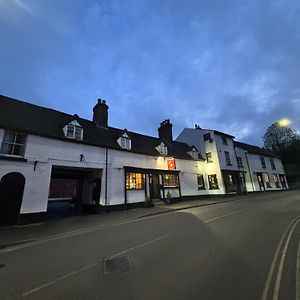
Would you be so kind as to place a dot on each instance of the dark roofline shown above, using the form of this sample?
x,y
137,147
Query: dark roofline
x,y
255,149
71,117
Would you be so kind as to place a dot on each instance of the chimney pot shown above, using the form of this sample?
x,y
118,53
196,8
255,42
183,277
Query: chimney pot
x,y
100,116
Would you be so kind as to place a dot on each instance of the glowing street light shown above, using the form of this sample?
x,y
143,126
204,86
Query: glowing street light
x,y
284,122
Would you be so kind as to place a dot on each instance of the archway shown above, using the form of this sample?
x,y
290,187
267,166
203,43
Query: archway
x,y
11,194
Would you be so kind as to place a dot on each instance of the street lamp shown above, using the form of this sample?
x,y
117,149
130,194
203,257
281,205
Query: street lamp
x,y
284,122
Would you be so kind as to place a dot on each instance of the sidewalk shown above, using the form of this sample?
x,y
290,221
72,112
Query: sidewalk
x,y
21,234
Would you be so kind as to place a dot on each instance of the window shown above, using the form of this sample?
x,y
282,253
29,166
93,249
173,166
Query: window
x,y
272,163
263,163
213,182
206,136
170,180
13,144
227,158
162,149
125,142
194,154
74,132
224,140
208,157
200,182
267,180
239,161
135,181
276,180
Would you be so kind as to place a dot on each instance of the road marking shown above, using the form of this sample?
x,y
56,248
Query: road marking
x,y
50,283
272,268
89,266
139,246
225,215
282,260
298,274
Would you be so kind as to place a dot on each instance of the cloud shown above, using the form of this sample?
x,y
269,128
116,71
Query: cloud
x,y
230,66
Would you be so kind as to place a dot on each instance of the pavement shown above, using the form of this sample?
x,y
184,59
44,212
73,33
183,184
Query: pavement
x,y
244,248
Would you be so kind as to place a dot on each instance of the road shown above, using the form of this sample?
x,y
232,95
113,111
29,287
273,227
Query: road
x,y
245,249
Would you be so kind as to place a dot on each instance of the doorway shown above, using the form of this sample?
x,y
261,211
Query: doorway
x,y
11,194
154,186
260,182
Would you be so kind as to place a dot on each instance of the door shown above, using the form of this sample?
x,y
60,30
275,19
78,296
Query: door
x,y
282,180
154,186
260,182
230,182
11,194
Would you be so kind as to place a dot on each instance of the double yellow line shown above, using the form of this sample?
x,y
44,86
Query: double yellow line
x,y
286,237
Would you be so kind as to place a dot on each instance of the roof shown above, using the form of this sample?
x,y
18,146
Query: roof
x,y
41,121
255,149
223,133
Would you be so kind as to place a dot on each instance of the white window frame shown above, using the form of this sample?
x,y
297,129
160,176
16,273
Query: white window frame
x,y
162,149
14,143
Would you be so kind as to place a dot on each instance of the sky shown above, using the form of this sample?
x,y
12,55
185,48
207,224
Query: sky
x,y
231,65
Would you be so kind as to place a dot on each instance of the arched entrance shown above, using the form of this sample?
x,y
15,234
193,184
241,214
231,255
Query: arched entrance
x,y
11,193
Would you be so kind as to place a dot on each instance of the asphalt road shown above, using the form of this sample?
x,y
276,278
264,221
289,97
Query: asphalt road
x,y
246,249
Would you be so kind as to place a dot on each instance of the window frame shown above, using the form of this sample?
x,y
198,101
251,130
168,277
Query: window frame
x,y
14,143
227,158
132,183
125,142
71,128
240,161
210,182
208,157
200,187
170,180
272,163
267,180
224,140
263,162
277,182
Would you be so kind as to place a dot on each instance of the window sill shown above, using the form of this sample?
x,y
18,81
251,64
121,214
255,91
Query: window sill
x,y
15,158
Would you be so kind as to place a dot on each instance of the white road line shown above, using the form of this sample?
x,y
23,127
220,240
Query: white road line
x,y
271,271
225,215
139,246
89,266
281,264
298,274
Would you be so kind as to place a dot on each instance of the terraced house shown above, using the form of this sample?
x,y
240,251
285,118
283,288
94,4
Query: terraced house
x,y
51,161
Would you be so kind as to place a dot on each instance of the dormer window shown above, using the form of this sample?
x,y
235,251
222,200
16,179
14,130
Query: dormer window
x,y
73,131
124,141
162,149
194,153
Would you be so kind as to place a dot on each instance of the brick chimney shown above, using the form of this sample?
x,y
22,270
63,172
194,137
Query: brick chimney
x,y
165,130
100,116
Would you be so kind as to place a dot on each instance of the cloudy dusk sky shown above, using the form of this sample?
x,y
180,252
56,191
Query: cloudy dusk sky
x,y
228,65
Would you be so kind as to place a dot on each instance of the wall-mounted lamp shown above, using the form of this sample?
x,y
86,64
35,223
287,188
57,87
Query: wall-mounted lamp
x,y
82,157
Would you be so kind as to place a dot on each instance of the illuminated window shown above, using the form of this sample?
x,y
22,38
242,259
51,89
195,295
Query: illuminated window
x,y
208,157
276,180
13,144
239,161
200,182
213,182
135,181
170,180
227,158
267,180
272,163
262,161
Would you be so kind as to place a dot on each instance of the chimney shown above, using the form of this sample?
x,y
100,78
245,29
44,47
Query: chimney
x,y
100,116
165,130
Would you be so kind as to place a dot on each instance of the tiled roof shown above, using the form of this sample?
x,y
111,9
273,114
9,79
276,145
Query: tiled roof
x,y
29,118
254,149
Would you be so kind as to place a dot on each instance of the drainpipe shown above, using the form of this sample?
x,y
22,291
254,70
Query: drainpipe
x,y
250,172
106,163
